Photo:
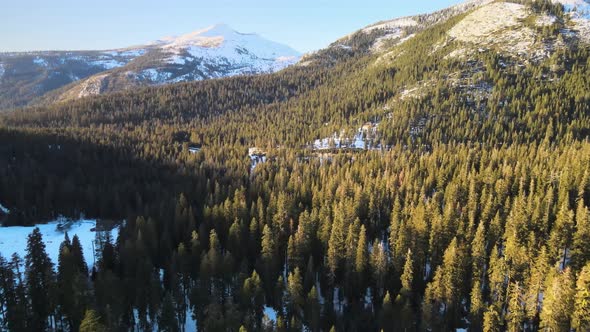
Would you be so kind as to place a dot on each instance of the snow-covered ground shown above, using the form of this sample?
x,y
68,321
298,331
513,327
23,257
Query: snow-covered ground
x,y
257,156
14,239
360,140
336,141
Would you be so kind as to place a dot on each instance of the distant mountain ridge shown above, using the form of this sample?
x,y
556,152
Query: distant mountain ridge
x,y
217,51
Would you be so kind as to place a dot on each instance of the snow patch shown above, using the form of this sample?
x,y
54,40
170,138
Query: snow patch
x,y
107,63
126,52
483,28
484,22
545,20
395,24
40,62
179,60
92,86
155,76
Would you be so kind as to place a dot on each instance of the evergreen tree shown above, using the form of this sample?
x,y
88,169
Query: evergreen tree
x,y
580,247
558,302
313,310
491,320
515,316
296,295
39,281
561,234
387,314
72,285
581,314
407,278
476,307
167,321
91,322
268,255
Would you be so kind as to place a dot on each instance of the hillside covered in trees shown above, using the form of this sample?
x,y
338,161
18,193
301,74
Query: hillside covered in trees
x,y
468,207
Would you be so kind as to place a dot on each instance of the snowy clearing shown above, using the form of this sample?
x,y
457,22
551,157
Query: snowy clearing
x,y
14,238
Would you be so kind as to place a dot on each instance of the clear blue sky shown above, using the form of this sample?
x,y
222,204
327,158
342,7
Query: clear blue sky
x,y
102,24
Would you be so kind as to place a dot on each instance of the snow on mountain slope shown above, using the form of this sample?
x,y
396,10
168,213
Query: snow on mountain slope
x,y
482,28
214,52
519,32
220,45
400,29
579,11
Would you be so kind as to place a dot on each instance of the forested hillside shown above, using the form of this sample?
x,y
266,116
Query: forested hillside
x,y
467,208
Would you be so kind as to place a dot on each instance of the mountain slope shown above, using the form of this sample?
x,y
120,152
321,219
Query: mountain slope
x,y
217,51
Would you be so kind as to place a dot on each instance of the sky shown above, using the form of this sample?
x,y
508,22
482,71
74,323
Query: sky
x,y
305,25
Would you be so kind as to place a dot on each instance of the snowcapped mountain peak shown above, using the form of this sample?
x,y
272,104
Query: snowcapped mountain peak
x,y
216,30
226,43
212,36
213,52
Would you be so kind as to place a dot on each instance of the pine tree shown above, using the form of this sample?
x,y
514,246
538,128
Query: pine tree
x,y
253,294
476,307
268,255
561,234
336,247
379,266
446,289
167,322
39,281
295,291
492,321
478,253
361,259
407,278
558,303
72,286
515,316
581,314
497,278
12,296
535,287
312,310
580,247
78,256
91,322
386,316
